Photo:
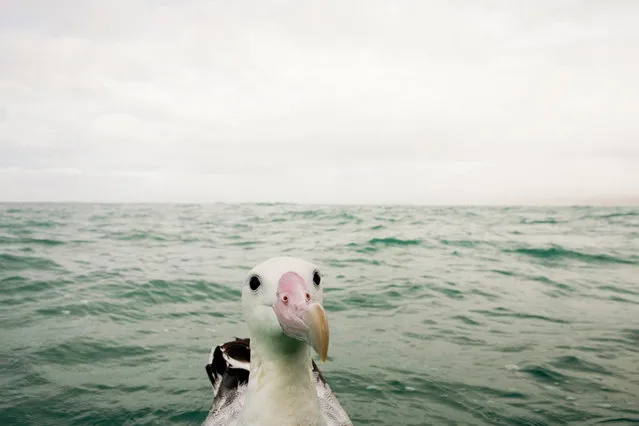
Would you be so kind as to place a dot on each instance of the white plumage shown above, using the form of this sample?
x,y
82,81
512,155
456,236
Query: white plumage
x,y
271,379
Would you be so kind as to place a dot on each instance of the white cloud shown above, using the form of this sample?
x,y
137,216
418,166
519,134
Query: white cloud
x,y
411,102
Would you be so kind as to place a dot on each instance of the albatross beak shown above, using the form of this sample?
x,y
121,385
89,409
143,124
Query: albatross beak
x,y
298,317
315,317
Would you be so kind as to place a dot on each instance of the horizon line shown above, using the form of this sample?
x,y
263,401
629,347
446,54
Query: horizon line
x,y
547,203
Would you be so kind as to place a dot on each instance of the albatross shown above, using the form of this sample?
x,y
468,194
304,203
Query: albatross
x,y
270,377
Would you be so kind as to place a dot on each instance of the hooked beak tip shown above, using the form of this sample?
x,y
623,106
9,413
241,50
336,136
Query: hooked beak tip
x,y
317,323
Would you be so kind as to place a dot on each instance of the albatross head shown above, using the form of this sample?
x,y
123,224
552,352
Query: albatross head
x,y
282,302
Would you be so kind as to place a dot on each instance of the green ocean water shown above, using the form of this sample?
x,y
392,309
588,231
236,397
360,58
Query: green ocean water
x,y
443,316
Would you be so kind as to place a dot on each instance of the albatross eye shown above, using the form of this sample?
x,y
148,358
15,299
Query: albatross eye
x,y
316,278
255,283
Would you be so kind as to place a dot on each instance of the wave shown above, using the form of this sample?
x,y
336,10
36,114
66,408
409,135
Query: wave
x,y
86,350
633,213
571,362
394,242
543,373
460,243
549,221
559,253
11,262
503,312
160,291
137,236
36,241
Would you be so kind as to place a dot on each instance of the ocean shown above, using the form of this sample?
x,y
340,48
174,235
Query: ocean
x,y
438,315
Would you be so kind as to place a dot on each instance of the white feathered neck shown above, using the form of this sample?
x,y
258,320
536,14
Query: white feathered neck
x,y
280,389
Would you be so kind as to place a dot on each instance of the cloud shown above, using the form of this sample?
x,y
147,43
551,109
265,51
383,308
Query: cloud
x,y
355,101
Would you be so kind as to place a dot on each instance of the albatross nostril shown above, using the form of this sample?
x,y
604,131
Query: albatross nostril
x,y
285,299
308,297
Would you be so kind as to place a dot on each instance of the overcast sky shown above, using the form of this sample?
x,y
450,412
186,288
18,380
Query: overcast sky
x,y
476,101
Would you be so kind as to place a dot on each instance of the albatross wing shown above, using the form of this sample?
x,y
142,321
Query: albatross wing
x,y
228,370
334,414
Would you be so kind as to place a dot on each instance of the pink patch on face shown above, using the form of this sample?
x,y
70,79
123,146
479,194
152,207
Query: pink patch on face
x,y
291,289
293,301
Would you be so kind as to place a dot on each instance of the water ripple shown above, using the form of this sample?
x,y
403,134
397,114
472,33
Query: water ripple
x,y
558,253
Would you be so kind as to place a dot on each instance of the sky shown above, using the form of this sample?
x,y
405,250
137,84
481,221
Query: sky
x,y
402,102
